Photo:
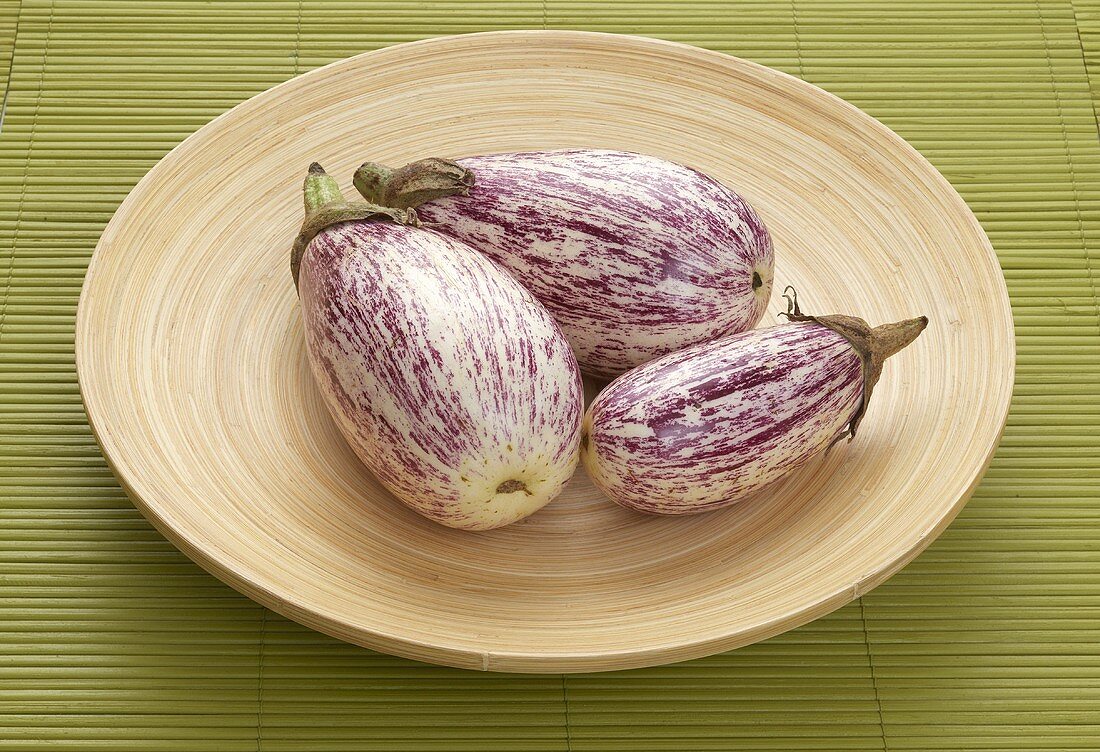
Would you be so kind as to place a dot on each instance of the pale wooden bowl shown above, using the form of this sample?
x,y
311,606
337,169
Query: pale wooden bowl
x,y
192,367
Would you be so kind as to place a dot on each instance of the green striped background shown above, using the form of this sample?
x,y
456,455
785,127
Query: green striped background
x,y
111,640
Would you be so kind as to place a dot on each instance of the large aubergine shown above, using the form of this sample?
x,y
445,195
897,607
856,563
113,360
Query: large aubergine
x,y
634,256
448,379
700,429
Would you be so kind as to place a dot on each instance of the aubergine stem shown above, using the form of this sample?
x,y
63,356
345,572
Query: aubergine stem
x,y
325,206
873,345
320,188
414,184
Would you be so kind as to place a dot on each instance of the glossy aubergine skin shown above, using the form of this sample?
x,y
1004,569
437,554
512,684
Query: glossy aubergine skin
x,y
635,257
700,429
448,380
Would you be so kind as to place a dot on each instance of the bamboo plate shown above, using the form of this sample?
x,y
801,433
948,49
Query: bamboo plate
x,y
192,367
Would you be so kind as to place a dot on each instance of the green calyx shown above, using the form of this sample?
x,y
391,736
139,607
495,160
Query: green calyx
x,y
414,184
325,206
390,195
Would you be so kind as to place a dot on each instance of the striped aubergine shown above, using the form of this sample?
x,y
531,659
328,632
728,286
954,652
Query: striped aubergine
x,y
633,255
702,428
447,378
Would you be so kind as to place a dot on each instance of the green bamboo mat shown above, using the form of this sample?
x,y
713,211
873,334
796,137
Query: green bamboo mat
x,y
112,640
9,13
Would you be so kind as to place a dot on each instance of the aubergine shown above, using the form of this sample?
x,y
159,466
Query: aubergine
x,y
634,256
703,428
447,379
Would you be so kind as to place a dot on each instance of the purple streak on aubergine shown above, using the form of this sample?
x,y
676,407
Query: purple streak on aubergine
x,y
701,428
635,257
448,379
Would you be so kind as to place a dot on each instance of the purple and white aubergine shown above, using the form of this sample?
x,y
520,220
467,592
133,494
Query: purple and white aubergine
x,y
447,378
702,428
634,256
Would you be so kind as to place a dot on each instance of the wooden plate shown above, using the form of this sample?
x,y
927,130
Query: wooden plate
x,y
192,368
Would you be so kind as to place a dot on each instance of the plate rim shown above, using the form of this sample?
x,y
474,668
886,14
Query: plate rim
x,y
439,650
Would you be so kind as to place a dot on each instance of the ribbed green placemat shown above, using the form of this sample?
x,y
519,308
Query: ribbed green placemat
x,y
9,13
110,639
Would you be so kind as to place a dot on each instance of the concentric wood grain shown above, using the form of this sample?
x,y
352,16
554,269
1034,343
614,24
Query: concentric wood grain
x,y
192,368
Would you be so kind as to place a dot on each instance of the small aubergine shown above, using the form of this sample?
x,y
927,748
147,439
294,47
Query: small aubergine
x,y
702,428
633,255
447,379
